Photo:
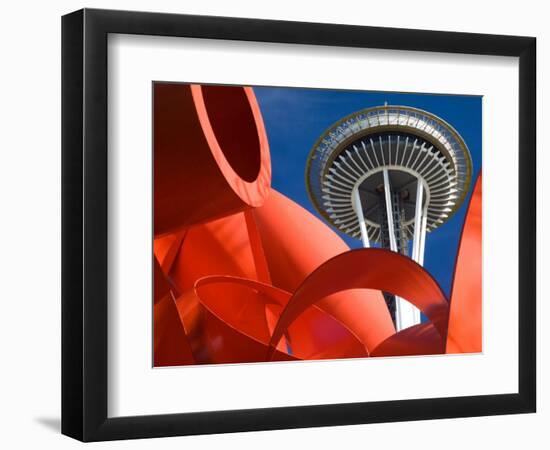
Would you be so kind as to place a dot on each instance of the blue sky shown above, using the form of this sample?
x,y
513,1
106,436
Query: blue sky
x,y
294,119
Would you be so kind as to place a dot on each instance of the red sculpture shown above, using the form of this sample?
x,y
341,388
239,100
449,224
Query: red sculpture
x,y
234,282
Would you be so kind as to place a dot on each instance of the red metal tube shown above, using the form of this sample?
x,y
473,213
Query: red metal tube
x,y
211,155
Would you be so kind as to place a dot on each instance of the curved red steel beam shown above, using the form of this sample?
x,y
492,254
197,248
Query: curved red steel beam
x,y
465,321
211,155
369,269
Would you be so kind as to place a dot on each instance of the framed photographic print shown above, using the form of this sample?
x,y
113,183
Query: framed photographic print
x,y
276,224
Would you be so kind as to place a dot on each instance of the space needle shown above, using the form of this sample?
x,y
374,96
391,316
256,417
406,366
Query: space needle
x,y
387,176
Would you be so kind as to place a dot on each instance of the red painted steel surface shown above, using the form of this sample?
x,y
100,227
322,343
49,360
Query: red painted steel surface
x,y
211,156
464,335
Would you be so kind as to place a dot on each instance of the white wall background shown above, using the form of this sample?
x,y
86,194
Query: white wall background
x,y
30,221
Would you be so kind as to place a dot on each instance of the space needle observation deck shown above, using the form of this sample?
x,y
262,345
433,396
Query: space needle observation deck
x,y
387,176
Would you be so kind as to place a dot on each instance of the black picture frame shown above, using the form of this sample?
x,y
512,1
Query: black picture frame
x,y
84,224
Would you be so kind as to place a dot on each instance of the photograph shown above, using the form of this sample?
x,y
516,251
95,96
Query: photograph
x,y
295,224
274,225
